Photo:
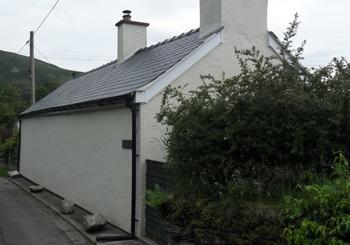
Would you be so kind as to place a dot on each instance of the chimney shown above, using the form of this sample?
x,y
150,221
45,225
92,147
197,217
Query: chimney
x,y
132,36
240,18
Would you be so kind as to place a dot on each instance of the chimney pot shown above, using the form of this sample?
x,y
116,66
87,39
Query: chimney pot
x,y
126,15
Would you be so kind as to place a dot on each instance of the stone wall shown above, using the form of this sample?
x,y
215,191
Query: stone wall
x,y
190,233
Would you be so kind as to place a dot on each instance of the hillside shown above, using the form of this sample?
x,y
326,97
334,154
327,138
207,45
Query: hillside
x,y
44,72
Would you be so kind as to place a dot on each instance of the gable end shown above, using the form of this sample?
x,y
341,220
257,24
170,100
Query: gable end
x,y
147,92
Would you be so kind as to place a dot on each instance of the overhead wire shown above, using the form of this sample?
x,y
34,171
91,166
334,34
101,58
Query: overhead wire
x,y
43,56
46,16
48,62
13,59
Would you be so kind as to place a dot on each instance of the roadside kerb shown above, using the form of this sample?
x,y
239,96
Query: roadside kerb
x,y
75,224
109,230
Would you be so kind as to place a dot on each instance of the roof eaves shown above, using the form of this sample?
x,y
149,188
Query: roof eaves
x,y
64,103
78,106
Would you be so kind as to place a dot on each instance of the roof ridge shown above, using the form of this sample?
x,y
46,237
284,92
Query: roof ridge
x,y
97,68
167,40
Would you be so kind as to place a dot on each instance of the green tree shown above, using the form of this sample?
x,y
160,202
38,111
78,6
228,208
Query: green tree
x,y
10,105
7,117
44,89
9,149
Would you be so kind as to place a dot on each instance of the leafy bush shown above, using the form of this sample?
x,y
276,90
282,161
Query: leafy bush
x,y
235,142
323,216
10,105
260,130
156,198
10,148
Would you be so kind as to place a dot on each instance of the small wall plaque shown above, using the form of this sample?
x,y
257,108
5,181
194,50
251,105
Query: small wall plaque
x,y
127,144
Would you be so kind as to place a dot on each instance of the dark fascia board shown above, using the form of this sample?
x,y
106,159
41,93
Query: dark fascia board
x,y
82,105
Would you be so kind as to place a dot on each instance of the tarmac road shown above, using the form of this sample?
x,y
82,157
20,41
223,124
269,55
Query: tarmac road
x,y
26,221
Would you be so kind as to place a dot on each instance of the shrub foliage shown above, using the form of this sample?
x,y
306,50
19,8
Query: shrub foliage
x,y
9,150
10,105
235,142
323,216
260,129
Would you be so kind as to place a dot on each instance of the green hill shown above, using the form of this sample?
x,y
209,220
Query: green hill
x,y
44,72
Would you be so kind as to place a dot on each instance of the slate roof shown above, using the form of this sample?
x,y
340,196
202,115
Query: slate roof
x,y
114,80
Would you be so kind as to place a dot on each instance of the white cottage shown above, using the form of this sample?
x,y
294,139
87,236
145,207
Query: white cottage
x,y
90,138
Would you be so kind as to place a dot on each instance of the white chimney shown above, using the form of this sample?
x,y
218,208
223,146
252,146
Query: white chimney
x,y
132,36
210,16
240,18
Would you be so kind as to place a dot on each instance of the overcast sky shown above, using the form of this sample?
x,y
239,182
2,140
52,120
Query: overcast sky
x,y
81,34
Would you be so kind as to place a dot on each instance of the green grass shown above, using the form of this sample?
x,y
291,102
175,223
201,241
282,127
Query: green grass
x,y
3,172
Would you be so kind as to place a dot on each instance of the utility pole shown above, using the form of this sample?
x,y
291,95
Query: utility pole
x,y
32,68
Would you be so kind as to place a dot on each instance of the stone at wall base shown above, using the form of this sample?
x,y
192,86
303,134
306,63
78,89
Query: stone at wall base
x,y
36,188
94,222
13,174
67,206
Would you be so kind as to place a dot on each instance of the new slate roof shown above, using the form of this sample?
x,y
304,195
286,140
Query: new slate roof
x,y
116,80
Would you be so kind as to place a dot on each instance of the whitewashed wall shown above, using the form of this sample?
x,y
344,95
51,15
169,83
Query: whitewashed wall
x,y
80,156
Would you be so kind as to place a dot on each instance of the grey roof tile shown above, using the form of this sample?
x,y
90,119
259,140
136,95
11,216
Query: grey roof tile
x,y
114,79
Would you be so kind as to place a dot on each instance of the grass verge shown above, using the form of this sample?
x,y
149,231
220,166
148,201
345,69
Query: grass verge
x,y
3,172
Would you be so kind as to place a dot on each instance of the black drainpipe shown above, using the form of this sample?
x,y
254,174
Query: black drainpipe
x,y
19,143
134,110
134,155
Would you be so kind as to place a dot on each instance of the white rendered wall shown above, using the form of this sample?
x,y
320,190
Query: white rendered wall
x,y
79,155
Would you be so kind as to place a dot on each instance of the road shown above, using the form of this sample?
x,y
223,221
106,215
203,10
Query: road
x,y
26,221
